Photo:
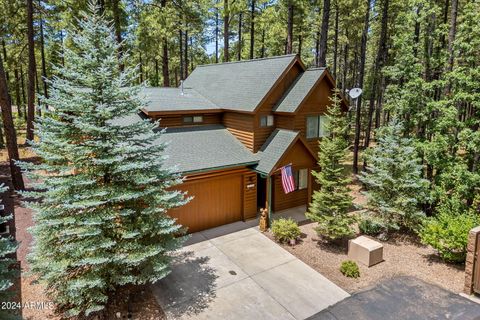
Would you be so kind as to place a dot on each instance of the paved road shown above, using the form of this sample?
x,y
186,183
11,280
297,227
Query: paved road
x,y
402,298
235,272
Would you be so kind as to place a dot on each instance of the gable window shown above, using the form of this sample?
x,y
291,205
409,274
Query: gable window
x,y
266,121
317,127
193,119
301,179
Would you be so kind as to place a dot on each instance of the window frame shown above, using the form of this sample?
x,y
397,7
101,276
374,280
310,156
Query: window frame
x,y
269,121
190,119
296,179
320,130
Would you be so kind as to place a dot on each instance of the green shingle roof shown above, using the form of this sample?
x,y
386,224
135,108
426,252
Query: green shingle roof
x,y
238,85
172,99
299,90
274,148
204,147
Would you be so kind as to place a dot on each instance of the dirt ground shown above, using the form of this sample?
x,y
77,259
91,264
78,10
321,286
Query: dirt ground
x,y
403,255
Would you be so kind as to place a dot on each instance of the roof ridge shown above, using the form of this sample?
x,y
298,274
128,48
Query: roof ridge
x,y
315,68
249,60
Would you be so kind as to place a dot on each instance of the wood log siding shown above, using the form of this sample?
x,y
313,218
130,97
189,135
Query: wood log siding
x,y
241,126
261,134
250,196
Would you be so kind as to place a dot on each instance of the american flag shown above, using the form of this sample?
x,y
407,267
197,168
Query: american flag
x,y
287,179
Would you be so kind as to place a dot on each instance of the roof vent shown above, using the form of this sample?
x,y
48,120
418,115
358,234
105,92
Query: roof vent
x,y
181,87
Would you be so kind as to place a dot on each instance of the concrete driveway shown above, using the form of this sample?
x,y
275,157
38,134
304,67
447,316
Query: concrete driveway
x,y
235,272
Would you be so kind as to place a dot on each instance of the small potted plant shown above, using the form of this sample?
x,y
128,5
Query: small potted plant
x,y
285,230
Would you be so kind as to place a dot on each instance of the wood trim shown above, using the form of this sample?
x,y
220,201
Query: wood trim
x,y
279,80
298,138
215,173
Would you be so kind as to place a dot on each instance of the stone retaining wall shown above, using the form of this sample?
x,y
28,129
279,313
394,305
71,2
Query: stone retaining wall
x,y
471,249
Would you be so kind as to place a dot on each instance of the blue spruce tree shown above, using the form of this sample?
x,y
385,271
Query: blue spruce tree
x,y
7,274
102,192
393,179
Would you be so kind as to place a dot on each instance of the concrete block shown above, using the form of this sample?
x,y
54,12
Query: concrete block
x,y
365,250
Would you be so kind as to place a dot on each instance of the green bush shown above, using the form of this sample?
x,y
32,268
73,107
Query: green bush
x,y
285,229
447,232
350,269
370,226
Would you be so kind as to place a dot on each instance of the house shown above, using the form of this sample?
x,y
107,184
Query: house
x,y
232,126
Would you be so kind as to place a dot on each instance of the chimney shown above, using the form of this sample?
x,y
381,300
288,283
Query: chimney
x,y
181,87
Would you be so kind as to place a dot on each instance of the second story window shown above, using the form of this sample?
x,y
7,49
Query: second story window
x,y
316,127
266,121
193,119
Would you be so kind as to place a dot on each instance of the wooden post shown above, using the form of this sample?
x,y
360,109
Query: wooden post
x,y
268,205
471,263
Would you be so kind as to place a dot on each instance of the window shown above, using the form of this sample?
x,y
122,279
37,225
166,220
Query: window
x,y
193,119
317,127
301,179
266,121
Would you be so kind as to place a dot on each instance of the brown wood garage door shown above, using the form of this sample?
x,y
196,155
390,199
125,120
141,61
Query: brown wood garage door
x,y
216,201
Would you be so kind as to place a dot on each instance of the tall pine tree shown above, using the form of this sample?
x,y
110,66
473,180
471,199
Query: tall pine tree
x,y
329,207
102,192
395,187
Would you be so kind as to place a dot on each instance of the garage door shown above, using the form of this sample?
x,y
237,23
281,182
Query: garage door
x,y
216,201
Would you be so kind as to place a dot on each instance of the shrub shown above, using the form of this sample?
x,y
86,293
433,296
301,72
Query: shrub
x,y
350,269
285,229
447,232
370,226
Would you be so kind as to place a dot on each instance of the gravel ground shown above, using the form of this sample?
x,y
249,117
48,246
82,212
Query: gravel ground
x,y
402,253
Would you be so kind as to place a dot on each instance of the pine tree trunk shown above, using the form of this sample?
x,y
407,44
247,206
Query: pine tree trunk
x,y
377,67
180,46
165,58
226,32
24,98
5,58
216,35
263,44
289,46
157,74
322,58
31,71
11,136
42,52
451,40
335,43
239,54
345,64
186,53
252,28
300,44
361,72
141,66
118,30
17,94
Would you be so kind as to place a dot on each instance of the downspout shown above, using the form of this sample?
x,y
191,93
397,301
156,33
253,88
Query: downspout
x,y
269,200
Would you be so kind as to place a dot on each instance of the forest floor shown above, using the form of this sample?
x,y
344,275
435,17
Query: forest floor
x,y
403,255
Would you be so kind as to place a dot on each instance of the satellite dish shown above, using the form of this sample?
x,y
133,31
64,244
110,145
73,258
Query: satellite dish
x,y
355,93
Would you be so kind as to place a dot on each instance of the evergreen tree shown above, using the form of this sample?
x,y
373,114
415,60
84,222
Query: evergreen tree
x,y
395,187
102,193
7,247
329,207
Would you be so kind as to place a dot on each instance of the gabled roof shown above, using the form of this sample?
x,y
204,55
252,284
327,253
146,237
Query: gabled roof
x,y
194,149
241,85
173,99
299,90
274,148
